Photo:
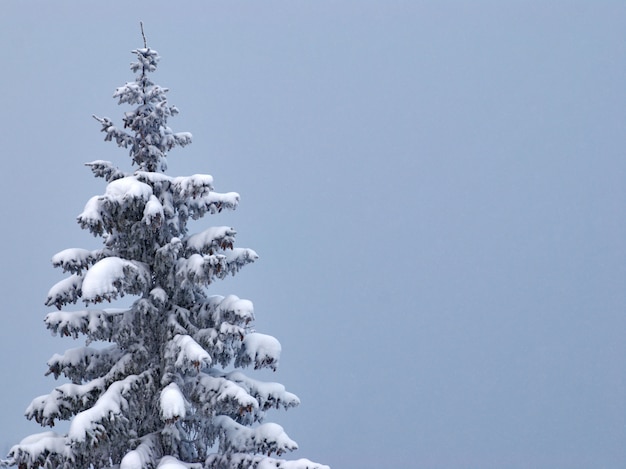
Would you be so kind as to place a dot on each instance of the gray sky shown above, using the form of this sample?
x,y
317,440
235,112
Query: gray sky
x,y
436,190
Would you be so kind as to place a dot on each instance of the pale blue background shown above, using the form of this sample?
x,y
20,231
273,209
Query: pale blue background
x,y
436,189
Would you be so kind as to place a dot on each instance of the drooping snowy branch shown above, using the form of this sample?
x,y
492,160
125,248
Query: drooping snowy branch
x,y
84,363
267,394
75,260
252,461
66,291
106,170
41,450
268,438
65,400
90,425
113,276
186,354
95,324
259,349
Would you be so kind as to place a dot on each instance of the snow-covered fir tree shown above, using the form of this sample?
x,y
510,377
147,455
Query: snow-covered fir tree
x,y
158,395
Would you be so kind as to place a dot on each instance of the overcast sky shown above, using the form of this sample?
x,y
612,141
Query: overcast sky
x,y
436,189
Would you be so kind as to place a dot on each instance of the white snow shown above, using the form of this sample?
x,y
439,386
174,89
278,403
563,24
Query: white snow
x,y
132,460
210,238
65,291
109,405
153,210
274,394
90,322
91,213
260,462
266,438
221,389
73,258
193,267
68,284
241,255
262,349
274,432
38,443
229,199
183,138
142,456
127,188
170,462
172,403
78,356
47,408
104,277
243,309
189,353
303,463
194,185
158,295
154,178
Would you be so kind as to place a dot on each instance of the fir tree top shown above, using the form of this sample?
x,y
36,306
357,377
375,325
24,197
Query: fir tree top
x,y
148,134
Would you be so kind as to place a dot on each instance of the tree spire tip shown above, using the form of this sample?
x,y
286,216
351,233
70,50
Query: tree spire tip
x,y
143,35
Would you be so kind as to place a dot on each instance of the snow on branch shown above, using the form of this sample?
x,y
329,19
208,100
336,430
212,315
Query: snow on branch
x,y
123,199
144,455
216,394
232,309
200,270
261,349
222,343
153,213
236,258
65,400
84,363
106,170
91,218
147,60
62,402
267,394
194,186
95,324
122,138
38,449
181,138
131,93
74,260
251,461
66,291
267,438
186,354
223,324
172,403
213,202
154,179
91,425
203,269
170,462
124,189
113,276
211,240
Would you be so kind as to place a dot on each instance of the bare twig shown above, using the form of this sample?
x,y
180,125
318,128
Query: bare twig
x,y
145,43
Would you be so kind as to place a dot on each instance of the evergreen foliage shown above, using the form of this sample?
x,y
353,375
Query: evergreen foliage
x,y
159,394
